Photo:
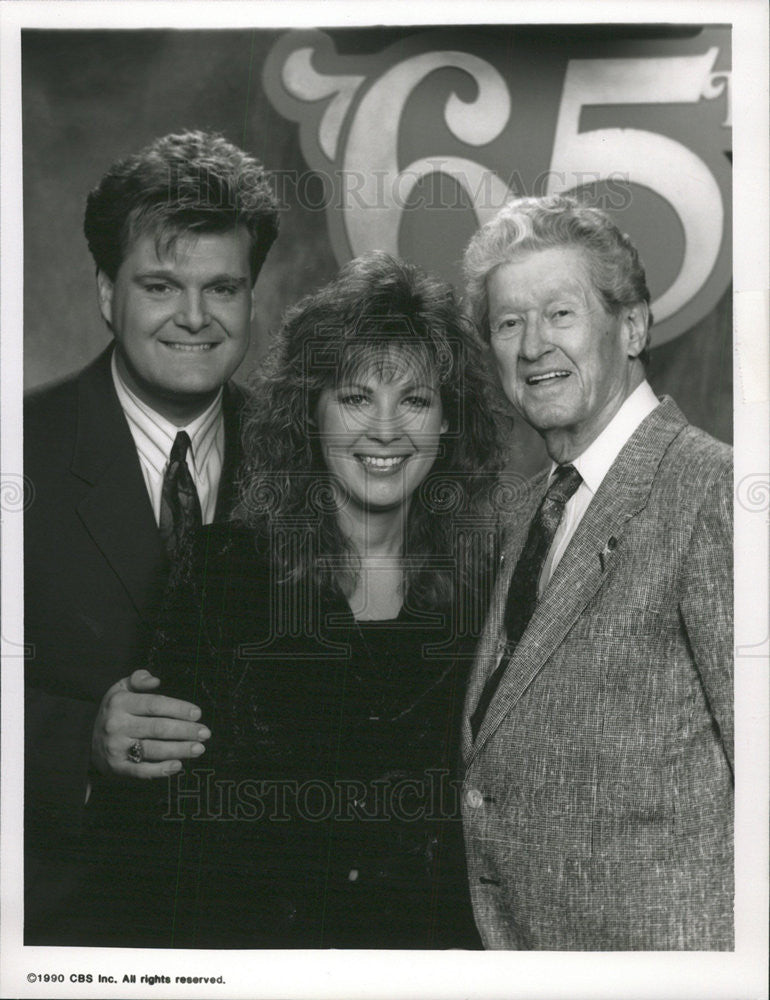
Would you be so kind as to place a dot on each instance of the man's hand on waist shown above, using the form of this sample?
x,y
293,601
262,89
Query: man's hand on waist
x,y
142,734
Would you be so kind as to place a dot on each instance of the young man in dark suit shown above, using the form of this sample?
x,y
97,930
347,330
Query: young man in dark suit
x,y
126,459
598,740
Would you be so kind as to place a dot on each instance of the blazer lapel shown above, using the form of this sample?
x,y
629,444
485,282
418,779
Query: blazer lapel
x,y
233,401
588,561
116,511
492,637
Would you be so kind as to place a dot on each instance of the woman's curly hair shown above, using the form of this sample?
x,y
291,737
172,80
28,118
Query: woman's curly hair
x,y
378,312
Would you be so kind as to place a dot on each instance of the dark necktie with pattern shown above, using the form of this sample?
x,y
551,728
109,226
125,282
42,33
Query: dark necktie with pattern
x,y
180,509
522,592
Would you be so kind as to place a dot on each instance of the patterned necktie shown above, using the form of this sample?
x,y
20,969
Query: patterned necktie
x,y
180,509
522,592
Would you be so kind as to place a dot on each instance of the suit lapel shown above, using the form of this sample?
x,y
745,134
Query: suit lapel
x,y
588,561
492,637
116,511
233,400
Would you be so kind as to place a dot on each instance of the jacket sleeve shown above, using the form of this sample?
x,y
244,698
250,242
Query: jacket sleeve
x,y
707,604
57,737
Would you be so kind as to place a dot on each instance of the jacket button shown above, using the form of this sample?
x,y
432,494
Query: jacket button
x,y
474,798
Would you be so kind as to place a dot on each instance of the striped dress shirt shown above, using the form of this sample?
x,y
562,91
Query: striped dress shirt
x,y
154,436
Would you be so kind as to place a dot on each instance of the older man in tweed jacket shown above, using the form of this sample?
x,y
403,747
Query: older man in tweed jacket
x,y
598,739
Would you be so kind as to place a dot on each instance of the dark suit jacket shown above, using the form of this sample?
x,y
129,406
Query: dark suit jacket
x,y
95,570
598,796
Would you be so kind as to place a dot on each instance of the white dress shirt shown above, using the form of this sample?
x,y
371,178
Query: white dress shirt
x,y
154,437
593,465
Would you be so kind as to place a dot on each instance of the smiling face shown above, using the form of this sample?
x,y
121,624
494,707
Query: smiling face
x,y
564,362
181,320
379,433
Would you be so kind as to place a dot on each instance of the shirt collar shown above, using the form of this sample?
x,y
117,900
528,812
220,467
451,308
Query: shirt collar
x,y
595,462
156,434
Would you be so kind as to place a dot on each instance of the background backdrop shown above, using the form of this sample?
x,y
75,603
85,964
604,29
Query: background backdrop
x,y
403,139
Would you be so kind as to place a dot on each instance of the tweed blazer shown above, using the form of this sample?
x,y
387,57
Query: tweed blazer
x,y
598,794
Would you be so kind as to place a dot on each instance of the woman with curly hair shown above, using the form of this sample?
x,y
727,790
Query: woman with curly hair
x,y
326,632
